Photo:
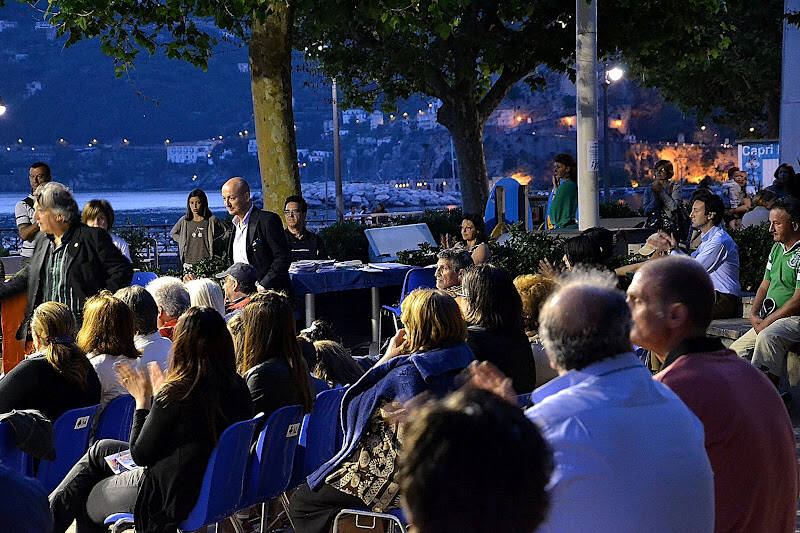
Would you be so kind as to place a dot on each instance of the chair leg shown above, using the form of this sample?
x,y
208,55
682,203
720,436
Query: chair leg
x,y
285,503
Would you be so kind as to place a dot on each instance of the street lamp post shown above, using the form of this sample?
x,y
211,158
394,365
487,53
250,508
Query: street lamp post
x,y
586,112
337,155
609,76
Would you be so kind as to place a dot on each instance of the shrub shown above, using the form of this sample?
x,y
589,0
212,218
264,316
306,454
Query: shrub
x,y
521,252
426,255
207,268
138,241
617,210
345,241
754,244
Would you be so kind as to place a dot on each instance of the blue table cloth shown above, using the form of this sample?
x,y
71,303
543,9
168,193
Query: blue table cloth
x,y
348,279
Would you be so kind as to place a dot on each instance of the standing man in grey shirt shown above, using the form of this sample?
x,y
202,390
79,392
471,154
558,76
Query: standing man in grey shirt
x,y
23,212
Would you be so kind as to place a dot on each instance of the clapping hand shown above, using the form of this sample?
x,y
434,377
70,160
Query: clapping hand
x,y
484,375
548,270
136,382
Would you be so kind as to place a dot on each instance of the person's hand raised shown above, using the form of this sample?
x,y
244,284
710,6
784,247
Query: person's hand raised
x,y
157,376
484,375
136,382
548,270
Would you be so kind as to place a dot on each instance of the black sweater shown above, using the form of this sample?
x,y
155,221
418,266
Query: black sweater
x,y
510,351
35,384
175,441
272,386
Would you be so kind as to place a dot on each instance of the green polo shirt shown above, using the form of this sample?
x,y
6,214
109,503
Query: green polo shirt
x,y
783,272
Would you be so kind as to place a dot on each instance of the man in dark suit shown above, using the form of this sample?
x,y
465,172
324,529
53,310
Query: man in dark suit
x,y
70,261
257,238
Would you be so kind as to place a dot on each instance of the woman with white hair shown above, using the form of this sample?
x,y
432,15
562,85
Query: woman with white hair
x,y
205,292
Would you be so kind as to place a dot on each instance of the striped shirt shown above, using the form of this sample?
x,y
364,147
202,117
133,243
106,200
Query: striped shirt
x,y
56,288
23,213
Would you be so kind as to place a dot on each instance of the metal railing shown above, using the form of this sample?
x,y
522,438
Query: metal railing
x,y
157,238
160,243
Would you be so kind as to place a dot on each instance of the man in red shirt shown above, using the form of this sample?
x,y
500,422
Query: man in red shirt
x,y
748,434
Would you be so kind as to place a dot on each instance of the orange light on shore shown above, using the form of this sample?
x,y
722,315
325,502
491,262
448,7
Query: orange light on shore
x,y
634,184
521,178
618,123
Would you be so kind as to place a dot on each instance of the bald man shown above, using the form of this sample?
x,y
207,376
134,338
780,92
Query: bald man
x,y
621,441
748,434
258,238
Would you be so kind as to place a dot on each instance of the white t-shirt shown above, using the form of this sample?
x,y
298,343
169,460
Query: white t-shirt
x,y
24,216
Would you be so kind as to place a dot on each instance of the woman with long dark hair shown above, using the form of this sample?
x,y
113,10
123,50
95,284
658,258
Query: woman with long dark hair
x,y
473,231
423,357
199,234
172,435
271,361
58,377
495,330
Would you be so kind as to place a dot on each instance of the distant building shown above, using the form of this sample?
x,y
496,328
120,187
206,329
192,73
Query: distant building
x,y
186,153
32,88
243,67
375,120
318,156
252,147
426,120
327,126
503,118
353,116
49,30
7,25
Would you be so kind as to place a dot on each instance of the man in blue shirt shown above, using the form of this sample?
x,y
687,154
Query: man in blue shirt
x,y
629,454
717,252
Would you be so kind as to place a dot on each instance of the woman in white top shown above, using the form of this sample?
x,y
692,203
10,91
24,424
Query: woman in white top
x,y
107,338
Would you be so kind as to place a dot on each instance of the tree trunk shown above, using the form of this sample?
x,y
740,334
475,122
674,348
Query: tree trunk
x,y
271,81
465,126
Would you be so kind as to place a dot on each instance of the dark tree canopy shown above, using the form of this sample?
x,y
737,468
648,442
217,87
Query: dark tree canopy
x,y
735,82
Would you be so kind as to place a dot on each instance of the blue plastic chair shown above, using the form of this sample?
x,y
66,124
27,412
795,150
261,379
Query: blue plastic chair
x,y
271,464
116,419
319,385
11,456
416,278
71,438
320,436
222,483
143,278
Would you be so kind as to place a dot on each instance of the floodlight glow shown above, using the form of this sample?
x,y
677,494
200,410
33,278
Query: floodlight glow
x,y
615,74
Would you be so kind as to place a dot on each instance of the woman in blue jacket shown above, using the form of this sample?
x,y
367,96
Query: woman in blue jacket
x,y
424,357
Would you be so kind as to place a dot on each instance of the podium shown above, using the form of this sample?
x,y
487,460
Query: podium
x,y
12,313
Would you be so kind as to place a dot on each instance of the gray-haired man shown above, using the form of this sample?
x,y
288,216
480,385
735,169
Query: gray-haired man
x,y
450,267
70,261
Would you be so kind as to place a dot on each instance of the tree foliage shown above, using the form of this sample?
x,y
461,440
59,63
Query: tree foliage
x,y
728,71
469,53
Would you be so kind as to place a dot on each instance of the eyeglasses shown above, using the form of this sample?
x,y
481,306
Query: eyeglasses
x,y
293,212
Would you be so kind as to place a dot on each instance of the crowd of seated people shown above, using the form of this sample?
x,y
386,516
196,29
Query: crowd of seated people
x,y
433,425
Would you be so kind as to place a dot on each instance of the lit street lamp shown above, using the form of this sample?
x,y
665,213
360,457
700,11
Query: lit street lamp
x,y
2,107
611,75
